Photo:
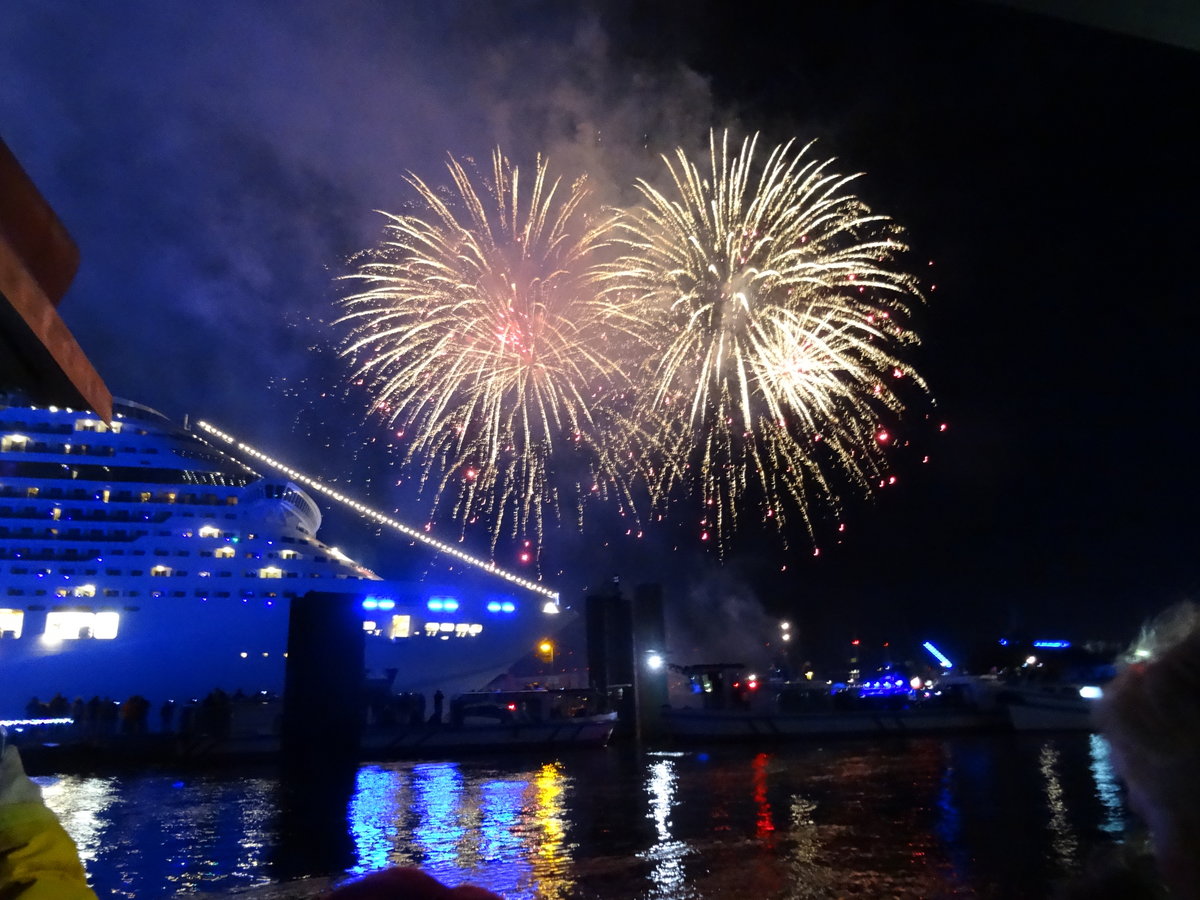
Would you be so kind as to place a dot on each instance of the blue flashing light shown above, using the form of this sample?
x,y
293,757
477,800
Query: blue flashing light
x,y
501,606
1003,642
370,603
938,655
1052,645
435,604
387,604
448,604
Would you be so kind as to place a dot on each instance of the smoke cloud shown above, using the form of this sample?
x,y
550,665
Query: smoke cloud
x,y
219,163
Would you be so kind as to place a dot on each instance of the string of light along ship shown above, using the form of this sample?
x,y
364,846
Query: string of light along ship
x,y
376,516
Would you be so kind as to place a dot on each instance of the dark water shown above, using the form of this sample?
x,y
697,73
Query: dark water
x,y
994,816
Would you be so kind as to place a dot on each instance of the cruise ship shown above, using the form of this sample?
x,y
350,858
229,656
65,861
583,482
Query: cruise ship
x,y
141,557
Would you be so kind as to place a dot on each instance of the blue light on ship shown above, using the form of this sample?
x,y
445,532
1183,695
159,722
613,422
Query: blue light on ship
x,y
1052,645
938,655
440,604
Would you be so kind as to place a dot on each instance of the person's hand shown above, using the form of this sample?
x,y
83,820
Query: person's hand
x,y
15,786
407,884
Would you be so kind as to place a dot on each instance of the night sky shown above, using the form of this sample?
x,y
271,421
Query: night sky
x,y
219,164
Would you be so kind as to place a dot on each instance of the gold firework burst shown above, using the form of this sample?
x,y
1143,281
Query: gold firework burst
x,y
778,318
483,340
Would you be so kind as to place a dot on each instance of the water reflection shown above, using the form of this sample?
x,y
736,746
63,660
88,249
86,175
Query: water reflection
x,y
809,876
916,818
1108,788
666,853
551,862
1062,837
307,830
380,797
81,804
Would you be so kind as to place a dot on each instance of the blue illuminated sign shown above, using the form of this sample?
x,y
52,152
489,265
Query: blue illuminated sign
x,y
1052,645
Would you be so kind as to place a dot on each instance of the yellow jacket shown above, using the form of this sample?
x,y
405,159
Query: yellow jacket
x,y
38,859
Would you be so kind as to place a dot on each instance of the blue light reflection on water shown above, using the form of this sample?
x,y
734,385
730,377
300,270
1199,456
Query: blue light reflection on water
x,y
380,797
1107,787
994,816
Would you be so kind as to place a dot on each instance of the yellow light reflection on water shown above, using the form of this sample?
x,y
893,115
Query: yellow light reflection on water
x,y
550,851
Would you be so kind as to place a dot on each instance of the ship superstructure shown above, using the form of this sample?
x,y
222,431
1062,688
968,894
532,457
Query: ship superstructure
x,y
138,558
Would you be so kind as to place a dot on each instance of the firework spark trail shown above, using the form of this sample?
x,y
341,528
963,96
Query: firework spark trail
x,y
484,342
779,322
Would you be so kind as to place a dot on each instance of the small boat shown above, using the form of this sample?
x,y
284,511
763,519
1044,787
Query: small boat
x,y
691,724
502,720
723,702
1050,706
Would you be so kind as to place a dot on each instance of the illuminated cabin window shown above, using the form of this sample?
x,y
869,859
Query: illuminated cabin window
x,y
288,554
11,442
209,531
11,622
74,625
372,627
160,571
97,425
270,572
458,629
31,492
144,496
401,627
85,590
224,553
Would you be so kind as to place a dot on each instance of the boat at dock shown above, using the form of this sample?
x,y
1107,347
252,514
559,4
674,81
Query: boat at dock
x,y
724,702
692,724
1050,706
